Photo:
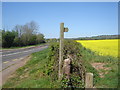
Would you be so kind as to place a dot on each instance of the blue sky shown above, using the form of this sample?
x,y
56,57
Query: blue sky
x,y
82,18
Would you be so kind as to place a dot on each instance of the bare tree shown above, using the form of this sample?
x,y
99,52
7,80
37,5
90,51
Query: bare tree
x,y
18,29
33,27
29,29
27,32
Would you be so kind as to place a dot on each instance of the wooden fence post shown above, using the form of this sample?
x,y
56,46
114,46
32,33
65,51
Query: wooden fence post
x,y
89,80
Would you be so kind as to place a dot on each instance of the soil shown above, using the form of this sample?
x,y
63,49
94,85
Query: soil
x,y
99,67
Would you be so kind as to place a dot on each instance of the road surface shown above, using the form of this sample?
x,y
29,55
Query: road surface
x,y
12,59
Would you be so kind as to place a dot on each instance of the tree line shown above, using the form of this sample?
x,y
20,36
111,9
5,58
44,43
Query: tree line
x,y
98,37
22,35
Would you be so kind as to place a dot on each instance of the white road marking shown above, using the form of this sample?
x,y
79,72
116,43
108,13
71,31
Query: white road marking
x,y
6,62
22,52
21,58
15,59
17,53
11,54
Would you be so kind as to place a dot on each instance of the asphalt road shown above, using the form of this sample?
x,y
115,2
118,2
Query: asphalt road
x,y
12,57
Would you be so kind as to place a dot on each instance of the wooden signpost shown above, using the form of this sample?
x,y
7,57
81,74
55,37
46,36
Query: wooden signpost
x,y
62,30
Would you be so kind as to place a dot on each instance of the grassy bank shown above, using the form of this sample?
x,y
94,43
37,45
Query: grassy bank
x,y
32,74
42,70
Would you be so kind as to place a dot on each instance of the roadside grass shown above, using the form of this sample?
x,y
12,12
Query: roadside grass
x,y
32,74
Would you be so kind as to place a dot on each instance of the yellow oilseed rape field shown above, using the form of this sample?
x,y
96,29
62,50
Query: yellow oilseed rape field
x,y
102,47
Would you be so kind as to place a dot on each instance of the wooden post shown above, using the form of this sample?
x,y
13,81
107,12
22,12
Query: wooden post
x,y
89,80
61,49
62,30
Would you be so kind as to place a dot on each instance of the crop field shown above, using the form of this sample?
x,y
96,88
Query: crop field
x,y
102,47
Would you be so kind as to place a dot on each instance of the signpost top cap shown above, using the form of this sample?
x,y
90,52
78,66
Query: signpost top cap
x,y
62,23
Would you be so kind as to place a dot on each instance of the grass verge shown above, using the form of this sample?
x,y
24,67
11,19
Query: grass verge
x,y
32,74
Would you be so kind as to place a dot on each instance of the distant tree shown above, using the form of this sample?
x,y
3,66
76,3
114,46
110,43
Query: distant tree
x,y
18,29
31,28
22,35
8,38
98,37
40,38
17,42
29,31
33,40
